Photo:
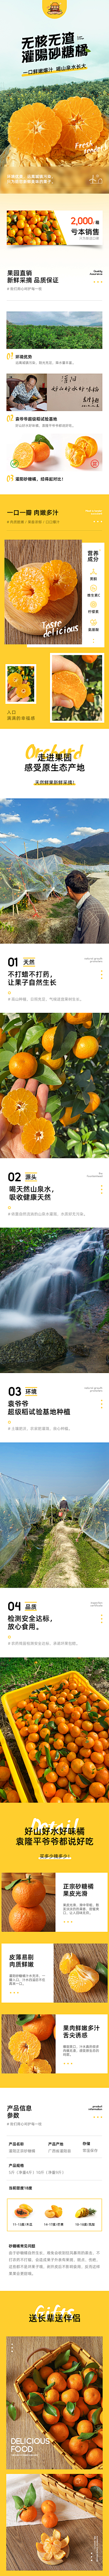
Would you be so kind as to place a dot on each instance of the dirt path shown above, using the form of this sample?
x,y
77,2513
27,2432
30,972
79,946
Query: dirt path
x,y
63,1561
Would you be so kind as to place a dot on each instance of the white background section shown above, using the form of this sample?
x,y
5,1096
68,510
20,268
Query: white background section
x,y
67,1193
86,2046
32,1409
67,2157
81,1902
78,977
81,1625
27,1972
55,2230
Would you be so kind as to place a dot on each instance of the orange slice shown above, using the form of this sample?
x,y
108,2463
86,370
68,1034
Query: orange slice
x,y
29,589
35,130
68,683
21,1110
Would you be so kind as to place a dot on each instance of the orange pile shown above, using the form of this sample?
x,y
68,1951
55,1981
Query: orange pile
x,y
64,2395
64,1725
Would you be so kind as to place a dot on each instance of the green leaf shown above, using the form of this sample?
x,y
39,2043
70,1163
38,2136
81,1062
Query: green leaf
x,y
12,2410
10,568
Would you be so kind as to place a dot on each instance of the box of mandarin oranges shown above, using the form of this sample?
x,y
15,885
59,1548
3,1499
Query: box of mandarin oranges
x,y
63,2395
54,1737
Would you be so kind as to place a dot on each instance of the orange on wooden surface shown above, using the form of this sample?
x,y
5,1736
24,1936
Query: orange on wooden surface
x,y
68,683
82,126
21,1921
25,1889
81,1980
29,589
63,574
34,130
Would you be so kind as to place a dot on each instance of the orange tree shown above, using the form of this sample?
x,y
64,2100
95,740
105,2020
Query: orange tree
x,y
68,1060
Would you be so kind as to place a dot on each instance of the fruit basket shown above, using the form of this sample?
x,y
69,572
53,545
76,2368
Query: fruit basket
x,y
56,1736
63,2395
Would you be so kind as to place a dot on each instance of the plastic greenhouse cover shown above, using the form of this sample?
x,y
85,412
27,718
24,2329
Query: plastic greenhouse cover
x,y
94,1516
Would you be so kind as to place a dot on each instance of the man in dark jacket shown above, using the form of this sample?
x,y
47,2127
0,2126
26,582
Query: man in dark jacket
x,y
92,925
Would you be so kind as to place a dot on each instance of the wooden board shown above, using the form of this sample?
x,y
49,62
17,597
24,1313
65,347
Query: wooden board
x,y
21,2549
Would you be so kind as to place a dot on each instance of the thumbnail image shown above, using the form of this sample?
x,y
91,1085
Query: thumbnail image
x,y
28,392
54,1298
42,589
60,2387
54,331
28,1903
81,1976
77,682
67,134
54,864
57,1532
54,1732
20,684
28,2046
27,225
54,1085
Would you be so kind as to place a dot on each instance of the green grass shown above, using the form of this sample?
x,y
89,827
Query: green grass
x,y
37,1668
93,1565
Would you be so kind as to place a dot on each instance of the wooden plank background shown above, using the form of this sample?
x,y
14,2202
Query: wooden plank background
x,y
48,1900
85,2550
89,1954
34,551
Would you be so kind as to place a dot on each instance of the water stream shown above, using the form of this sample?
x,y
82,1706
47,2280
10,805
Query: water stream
x,y
50,1285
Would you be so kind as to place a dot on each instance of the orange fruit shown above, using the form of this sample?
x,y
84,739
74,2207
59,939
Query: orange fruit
x,y
67,682
29,590
86,1047
34,130
82,451
23,1063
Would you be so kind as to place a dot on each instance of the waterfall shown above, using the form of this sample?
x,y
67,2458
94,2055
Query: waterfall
x,y
48,1285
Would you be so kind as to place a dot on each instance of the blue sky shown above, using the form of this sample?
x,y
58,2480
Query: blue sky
x,y
79,1469
50,821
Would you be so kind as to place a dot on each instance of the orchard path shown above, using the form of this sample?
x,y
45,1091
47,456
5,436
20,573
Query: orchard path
x,y
62,1561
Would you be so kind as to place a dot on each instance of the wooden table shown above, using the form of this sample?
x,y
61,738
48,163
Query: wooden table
x,y
83,2535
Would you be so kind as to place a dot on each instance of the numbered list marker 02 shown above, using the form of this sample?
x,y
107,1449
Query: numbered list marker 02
x,y
93,594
